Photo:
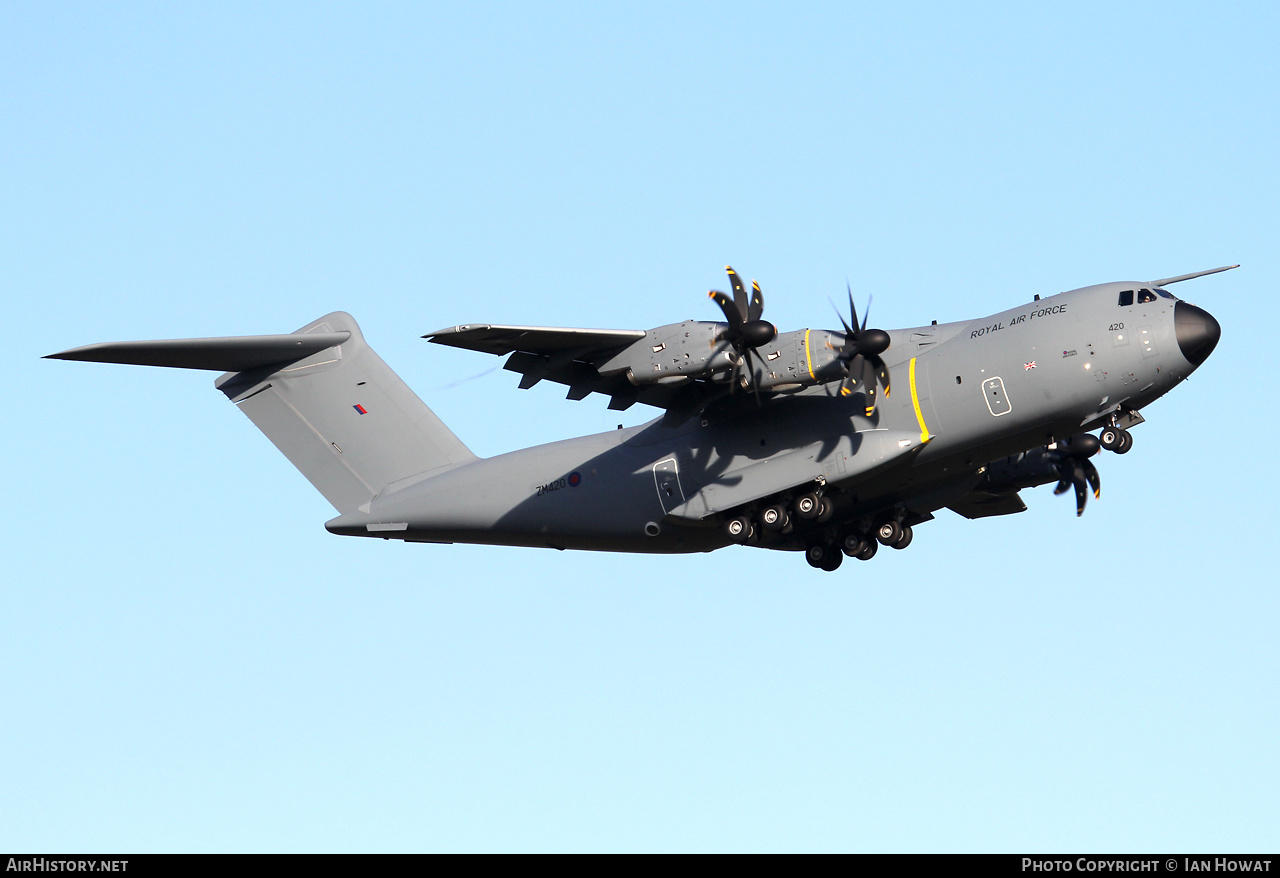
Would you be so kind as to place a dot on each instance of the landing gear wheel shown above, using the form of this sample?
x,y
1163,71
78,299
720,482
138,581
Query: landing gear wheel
x,y
868,552
739,529
852,544
816,555
1126,442
808,506
834,559
825,511
1113,439
903,541
889,533
774,517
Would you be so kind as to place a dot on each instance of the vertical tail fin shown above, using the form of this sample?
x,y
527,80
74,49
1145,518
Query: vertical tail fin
x,y
322,396
344,418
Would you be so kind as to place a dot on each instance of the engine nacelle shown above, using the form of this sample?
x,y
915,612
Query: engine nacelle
x,y
1038,466
674,353
693,349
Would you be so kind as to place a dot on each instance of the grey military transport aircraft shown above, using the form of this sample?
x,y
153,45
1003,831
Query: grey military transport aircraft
x,y
789,441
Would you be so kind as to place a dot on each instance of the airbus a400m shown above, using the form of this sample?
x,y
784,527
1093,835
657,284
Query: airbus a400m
x,y
827,442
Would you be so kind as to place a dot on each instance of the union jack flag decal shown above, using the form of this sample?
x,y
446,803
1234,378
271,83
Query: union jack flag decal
x,y
1029,366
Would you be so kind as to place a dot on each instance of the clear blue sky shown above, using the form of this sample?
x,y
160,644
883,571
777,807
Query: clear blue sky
x,y
190,662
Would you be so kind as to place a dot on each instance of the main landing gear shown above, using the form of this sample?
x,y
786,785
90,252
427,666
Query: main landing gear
x,y
894,534
824,556
809,508
859,544
827,546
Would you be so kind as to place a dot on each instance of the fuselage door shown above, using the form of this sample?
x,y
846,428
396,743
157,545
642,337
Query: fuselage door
x,y
666,477
997,399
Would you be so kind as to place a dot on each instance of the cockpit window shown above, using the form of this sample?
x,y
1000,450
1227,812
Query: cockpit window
x,y
1165,293
1126,297
1145,296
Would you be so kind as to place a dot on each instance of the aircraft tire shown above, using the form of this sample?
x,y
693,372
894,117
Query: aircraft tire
x,y
868,552
889,533
739,529
816,555
1111,439
774,517
852,544
825,511
807,506
1126,442
833,561
903,541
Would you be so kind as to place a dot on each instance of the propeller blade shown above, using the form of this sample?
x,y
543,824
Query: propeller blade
x,y
868,381
756,308
1082,495
882,373
1092,477
1063,484
853,309
734,382
730,312
848,385
755,383
739,294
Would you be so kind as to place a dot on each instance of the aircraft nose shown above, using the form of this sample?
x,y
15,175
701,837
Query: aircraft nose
x,y
1197,332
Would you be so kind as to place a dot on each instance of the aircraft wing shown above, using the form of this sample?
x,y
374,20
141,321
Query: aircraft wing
x,y
566,356
545,340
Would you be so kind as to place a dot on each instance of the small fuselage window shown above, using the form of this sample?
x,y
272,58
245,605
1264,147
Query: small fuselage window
x,y
1126,297
1145,296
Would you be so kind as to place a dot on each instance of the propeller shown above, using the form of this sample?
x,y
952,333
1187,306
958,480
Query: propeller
x,y
746,330
1076,470
860,356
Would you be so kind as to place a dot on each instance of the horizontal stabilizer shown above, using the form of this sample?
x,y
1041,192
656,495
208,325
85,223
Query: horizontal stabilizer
x,y
236,354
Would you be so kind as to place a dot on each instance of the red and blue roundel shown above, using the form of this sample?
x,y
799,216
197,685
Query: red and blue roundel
x,y
575,479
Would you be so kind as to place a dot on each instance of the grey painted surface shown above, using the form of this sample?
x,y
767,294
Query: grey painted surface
x,y
998,392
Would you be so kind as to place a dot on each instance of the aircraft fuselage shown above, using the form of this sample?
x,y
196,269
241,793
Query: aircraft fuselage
x,y
964,395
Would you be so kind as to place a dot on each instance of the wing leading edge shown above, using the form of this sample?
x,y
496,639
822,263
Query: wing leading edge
x,y
567,356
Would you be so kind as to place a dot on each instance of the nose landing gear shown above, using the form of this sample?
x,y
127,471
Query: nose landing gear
x,y
1116,439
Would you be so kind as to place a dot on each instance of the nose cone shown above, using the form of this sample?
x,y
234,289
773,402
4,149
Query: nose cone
x,y
1197,332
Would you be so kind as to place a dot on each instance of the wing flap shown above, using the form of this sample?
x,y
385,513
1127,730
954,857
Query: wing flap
x,y
495,339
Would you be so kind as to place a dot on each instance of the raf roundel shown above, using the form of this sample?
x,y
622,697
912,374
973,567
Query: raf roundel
x,y
575,479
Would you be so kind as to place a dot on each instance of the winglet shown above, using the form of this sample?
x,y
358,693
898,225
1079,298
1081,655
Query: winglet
x,y
1165,281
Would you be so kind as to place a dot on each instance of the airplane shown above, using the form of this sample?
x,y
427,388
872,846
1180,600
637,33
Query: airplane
x,y
827,442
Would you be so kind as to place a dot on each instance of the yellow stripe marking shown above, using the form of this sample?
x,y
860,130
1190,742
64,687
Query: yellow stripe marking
x,y
808,355
915,402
